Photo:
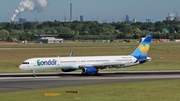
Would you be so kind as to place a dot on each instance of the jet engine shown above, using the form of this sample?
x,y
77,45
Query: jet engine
x,y
89,70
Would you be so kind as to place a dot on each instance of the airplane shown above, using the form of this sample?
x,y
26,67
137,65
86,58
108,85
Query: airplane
x,y
90,64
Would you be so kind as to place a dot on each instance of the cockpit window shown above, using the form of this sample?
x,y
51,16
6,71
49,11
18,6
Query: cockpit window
x,y
25,63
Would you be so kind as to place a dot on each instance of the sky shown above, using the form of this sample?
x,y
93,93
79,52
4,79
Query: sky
x,y
94,10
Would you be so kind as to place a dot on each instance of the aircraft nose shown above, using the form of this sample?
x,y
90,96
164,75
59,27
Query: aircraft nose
x,y
21,66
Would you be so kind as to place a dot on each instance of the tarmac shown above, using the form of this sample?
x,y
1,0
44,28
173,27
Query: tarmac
x,y
13,82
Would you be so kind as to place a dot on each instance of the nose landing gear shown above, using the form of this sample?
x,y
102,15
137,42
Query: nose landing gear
x,y
34,73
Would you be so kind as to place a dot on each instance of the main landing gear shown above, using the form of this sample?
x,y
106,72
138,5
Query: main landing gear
x,y
97,73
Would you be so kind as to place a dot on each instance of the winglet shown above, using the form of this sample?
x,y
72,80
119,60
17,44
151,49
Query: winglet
x,y
71,54
141,51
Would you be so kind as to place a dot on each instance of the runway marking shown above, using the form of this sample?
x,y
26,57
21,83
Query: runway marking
x,y
15,87
4,78
52,94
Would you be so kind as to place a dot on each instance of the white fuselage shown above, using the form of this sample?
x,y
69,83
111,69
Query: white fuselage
x,y
77,62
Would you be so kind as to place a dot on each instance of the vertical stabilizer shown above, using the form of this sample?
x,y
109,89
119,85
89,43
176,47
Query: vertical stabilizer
x,y
141,51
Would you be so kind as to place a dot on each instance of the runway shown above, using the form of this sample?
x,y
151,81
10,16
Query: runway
x,y
26,81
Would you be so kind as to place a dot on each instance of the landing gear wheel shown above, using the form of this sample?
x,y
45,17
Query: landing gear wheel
x,y
83,73
96,74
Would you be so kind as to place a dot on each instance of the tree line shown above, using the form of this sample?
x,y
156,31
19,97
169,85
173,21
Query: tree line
x,y
89,30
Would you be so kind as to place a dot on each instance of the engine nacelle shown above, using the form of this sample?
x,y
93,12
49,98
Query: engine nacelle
x,y
89,70
68,70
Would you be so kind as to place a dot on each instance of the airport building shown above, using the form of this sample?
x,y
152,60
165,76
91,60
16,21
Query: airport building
x,y
48,39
